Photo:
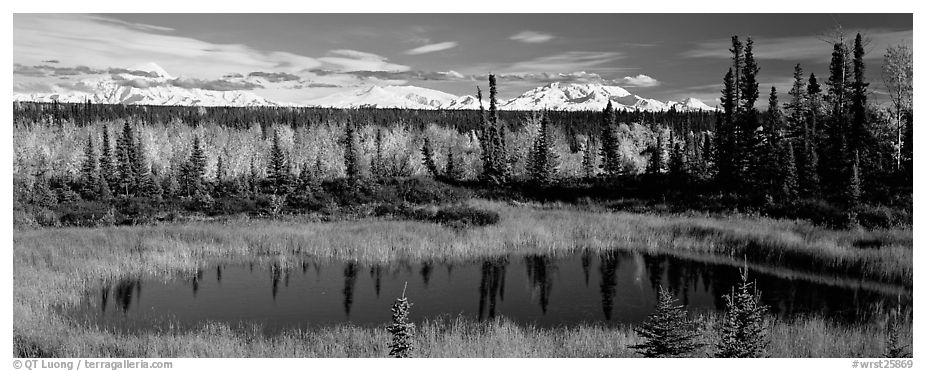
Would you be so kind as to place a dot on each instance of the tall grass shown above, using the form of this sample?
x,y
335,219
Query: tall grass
x,y
53,267
441,337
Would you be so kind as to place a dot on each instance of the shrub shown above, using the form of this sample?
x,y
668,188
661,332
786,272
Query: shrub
x,y
667,332
895,347
464,216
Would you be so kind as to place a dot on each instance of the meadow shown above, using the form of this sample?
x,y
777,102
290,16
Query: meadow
x,y
53,267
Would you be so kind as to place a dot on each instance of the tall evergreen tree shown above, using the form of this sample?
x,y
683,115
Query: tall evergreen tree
x,y
789,176
89,185
611,161
277,169
193,171
727,155
125,158
814,106
427,154
588,160
797,107
544,159
453,170
107,166
378,164
808,178
351,154
859,134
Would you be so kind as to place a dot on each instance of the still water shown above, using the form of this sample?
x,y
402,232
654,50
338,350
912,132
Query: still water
x,y
582,287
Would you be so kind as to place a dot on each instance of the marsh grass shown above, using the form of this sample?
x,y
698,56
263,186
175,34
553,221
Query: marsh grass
x,y
54,267
440,337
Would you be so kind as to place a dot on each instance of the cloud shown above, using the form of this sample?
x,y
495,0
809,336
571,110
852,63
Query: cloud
x,y
811,47
51,61
640,80
568,61
430,48
532,37
400,75
274,76
99,41
219,85
346,60
580,77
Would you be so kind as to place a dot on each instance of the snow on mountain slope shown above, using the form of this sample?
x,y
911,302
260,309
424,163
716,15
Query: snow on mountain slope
x,y
465,102
149,84
411,97
132,88
692,104
571,97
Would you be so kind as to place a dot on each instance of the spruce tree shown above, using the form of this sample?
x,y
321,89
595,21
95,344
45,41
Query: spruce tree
x,y
107,167
895,347
854,187
797,107
727,147
453,171
378,165
667,332
588,160
427,154
125,158
194,170
789,176
611,161
277,169
678,164
808,177
743,329
351,154
543,159
859,135
89,173
402,331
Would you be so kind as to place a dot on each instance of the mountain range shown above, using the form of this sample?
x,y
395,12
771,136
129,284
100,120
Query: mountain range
x,y
149,84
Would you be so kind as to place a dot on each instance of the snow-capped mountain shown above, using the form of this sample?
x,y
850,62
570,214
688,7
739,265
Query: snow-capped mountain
x,y
593,97
411,97
146,84
149,84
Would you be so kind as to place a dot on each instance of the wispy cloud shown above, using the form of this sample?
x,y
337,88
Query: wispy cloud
x,y
811,47
347,60
100,42
430,48
274,76
640,80
532,37
568,61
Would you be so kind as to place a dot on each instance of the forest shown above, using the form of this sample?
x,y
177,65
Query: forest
x,y
819,151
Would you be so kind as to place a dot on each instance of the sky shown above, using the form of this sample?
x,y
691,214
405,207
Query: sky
x,y
298,57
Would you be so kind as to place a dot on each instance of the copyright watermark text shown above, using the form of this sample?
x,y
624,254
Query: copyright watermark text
x,y
87,364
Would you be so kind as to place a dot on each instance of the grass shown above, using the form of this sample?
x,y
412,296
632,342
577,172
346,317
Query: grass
x,y
53,267
442,337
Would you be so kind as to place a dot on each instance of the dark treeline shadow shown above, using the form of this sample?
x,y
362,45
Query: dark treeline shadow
x,y
540,270
350,279
491,286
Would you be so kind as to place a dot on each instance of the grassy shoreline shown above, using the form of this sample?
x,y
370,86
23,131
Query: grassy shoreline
x,y
53,267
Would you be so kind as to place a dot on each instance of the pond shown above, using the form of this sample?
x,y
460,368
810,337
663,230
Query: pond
x,y
607,288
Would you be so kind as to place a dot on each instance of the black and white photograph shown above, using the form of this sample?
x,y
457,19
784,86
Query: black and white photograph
x,y
461,185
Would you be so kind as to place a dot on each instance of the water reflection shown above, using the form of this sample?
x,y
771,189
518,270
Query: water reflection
x,y
539,273
608,263
581,288
350,279
491,286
